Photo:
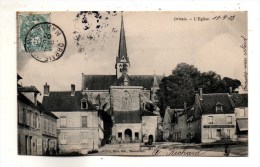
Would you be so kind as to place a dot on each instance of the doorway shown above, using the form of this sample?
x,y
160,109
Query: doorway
x,y
128,135
150,139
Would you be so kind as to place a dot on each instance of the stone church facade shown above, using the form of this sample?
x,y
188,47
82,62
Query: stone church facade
x,y
130,99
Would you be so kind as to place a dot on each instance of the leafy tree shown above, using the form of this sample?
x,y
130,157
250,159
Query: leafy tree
x,y
108,124
182,85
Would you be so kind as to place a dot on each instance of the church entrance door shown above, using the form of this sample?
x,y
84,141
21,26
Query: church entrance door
x,y
128,135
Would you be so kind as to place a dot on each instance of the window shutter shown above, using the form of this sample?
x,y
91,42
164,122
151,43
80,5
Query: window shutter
x,y
39,146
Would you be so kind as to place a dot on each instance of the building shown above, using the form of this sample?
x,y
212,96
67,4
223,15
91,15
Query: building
x,y
169,120
241,111
80,126
124,96
213,118
49,131
31,117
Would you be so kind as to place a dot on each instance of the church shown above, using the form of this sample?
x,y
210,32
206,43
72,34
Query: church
x,y
130,100
126,98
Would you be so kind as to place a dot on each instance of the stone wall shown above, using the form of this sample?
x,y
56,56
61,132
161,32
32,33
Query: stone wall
x,y
149,126
121,128
125,98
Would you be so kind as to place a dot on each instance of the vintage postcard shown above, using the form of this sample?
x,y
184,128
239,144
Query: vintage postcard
x,y
132,83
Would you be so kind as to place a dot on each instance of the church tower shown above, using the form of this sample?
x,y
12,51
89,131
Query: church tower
x,y
122,58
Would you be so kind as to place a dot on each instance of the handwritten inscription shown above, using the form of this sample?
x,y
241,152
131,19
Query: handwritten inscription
x,y
200,18
177,152
244,47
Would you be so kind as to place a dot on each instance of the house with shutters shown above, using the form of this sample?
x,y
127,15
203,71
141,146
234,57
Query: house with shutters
x,y
213,118
33,138
241,111
80,125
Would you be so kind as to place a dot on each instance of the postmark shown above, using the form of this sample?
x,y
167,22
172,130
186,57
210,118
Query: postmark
x,y
46,42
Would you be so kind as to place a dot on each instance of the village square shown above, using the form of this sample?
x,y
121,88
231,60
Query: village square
x,y
186,113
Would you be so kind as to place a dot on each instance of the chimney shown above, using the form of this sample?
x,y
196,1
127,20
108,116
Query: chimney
x,y
72,93
200,93
185,106
230,90
46,91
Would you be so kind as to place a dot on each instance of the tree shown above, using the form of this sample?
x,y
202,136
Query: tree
x,y
108,124
184,82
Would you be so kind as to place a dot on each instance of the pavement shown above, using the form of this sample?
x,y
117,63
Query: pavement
x,y
173,149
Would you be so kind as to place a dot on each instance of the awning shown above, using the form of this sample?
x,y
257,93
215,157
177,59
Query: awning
x,y
242,124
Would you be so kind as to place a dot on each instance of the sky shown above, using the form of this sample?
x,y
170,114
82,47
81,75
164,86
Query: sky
x,y
156,41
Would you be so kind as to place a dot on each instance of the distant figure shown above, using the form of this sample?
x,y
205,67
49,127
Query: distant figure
x,y
58,150
54,151
47,152
227,150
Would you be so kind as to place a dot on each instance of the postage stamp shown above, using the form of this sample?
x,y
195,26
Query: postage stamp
x,y
26,21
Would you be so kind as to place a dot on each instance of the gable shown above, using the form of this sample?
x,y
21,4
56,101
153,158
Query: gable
x,y
209,102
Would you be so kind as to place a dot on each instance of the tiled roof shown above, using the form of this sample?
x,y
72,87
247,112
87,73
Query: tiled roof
x,y
45,111
98,82
63,101
26,101
144,80
209,101
148,113
103,82
38,107
28,89
127,117
240,100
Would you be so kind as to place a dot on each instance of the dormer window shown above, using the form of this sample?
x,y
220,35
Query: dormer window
x,y
84,104
219,107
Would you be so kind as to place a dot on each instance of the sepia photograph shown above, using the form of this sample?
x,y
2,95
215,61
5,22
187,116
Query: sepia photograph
x,y
132,83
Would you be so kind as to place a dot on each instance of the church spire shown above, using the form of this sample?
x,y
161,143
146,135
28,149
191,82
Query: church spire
x,y
122,58
122,52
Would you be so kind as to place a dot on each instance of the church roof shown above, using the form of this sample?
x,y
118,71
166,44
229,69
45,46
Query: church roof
x,y
103,82
148,113
127,117
98,82
63,101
